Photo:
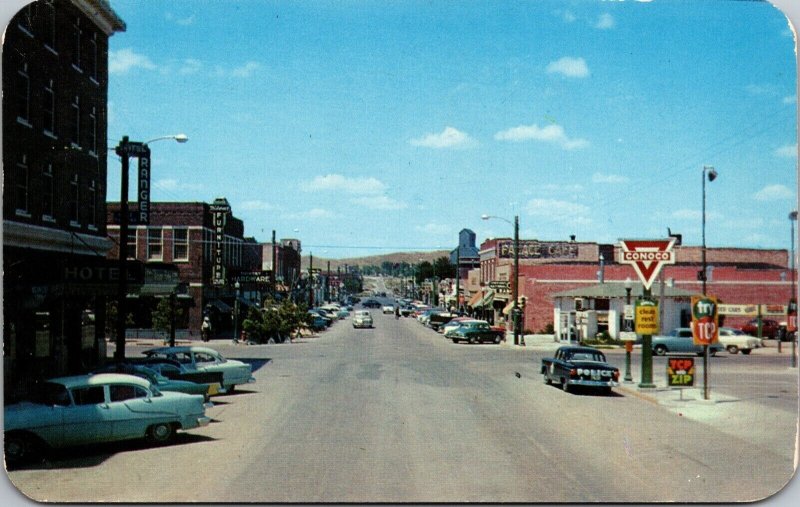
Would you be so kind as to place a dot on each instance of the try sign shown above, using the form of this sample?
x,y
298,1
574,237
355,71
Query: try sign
x,y
705,323
647,257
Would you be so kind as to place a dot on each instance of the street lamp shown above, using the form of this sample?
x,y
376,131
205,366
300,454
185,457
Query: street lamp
x,y
628,343
515,285
125,150
712,175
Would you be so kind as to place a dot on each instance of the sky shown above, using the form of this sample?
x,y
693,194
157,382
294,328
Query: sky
x,y
371,127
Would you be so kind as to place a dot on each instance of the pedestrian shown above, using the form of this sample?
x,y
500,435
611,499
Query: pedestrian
x,y
205,329
396,312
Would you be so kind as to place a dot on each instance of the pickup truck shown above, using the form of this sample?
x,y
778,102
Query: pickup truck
x,y
579,366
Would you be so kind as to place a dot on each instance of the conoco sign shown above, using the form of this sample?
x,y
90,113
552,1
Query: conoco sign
x,y
647,257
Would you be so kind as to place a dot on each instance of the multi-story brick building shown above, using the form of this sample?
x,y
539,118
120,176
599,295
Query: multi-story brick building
x,y
549,269
54,86
183,234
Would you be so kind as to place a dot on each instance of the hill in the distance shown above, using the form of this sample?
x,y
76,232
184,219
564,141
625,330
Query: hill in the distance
x,y
376,260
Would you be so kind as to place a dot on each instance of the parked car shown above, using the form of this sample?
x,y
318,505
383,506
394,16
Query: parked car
x,y
160,381
736,340
455,323
680,340
387,309
177,371
407,310
474,332
438,319
317,322
370,303
579,366
85,409
362,318
206,359
769,328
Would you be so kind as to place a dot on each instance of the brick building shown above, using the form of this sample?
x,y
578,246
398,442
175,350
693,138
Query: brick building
x,y
183,234
54,88
549,269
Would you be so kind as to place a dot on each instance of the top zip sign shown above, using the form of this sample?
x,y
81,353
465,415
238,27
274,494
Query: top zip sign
x,y
647,257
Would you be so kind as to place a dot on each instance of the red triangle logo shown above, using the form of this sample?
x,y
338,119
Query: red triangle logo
x,y
647,257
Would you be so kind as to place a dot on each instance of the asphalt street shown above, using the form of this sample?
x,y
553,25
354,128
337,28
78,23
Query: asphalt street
x,y
399,414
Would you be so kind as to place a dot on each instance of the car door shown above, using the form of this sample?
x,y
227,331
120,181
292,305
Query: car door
x,y
88,419
132,410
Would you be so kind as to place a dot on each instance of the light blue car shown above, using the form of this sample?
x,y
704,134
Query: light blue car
x,y
680,340
104,407
209,360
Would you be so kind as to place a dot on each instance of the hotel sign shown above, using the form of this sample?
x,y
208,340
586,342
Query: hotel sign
x,y
534,249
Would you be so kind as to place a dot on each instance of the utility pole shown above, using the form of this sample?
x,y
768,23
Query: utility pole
x,y
310,280
122,288
274,266
458,278
328,283
514,309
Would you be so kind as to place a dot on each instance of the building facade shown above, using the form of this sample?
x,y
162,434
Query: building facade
x,y
56,279
184,234
549,268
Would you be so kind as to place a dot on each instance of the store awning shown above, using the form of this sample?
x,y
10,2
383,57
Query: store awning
x,y
508,307
220,305
474,300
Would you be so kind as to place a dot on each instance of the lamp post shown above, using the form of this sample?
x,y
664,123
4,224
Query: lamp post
x,y
791,321
236,286
712,175
125,149
515,281
628,343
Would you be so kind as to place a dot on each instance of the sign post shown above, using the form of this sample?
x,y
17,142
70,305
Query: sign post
x,y
705,330
647,257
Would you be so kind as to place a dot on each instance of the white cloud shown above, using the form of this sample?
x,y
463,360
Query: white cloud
x,y
256,205
608,178
378,202
434,229
568,67
559,211
190,66
687,214
568,17
774,192
605,22
246,70
549,134
448,138
171,185
189,20
337,182
788,151
790,99
310,214
120,62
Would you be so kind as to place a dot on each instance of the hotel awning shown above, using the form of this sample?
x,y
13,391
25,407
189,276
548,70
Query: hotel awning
x,y
474,300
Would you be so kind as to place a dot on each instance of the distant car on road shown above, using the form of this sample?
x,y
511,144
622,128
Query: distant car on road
x,y
105,407
680,340
579,366
362,318
387,309
769,328
735,340
474,332
370,303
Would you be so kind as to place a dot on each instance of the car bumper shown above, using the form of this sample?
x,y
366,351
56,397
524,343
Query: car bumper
x,y
592,383
203,421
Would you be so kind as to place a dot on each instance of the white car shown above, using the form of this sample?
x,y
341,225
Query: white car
x,y
736,340
387,309
362,318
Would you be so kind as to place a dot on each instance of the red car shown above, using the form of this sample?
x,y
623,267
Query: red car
x,y
769,328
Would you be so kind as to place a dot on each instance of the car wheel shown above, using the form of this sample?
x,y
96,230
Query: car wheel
x,y
565,385
660,350
712,352
546,379
161,433
733,349
497,339
746,351
21,448
231,388
473,340
455,341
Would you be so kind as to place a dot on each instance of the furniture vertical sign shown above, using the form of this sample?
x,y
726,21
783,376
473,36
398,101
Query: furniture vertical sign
x,y
219,215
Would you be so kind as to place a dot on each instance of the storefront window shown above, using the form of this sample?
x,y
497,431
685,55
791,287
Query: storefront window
x,y
42,334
